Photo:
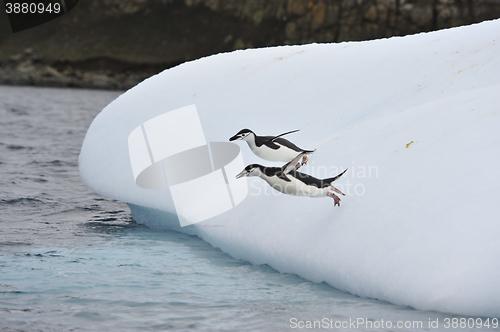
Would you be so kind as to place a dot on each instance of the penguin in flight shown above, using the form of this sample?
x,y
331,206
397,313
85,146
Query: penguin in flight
x,y
272,148
288,181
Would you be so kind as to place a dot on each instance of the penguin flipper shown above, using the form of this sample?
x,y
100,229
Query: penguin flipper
x,y
288,132
287,168
284,177
271,140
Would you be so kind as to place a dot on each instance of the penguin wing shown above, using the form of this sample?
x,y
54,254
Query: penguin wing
x,y
283,177
291,165
288,132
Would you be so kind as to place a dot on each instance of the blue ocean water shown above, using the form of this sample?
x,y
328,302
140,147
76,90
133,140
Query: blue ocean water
x,y
71,260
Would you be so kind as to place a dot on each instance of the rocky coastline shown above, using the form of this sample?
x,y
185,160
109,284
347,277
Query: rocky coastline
x,y
115,44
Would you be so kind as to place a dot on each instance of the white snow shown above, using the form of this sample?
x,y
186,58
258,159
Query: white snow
x,y
420,224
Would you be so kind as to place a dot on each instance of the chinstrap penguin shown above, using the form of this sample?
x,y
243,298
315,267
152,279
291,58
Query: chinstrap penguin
x,y
272,148
288,181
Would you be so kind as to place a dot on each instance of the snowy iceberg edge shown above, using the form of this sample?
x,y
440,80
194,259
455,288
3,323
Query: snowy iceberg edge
x,y
157,219
425,231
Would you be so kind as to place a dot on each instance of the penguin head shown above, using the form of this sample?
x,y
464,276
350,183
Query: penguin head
x,y
250,170
243,134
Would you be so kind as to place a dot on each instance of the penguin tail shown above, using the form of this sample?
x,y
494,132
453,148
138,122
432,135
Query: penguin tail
x,y
309,151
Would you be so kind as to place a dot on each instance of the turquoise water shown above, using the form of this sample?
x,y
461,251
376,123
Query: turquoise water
x,y
71,260
132,278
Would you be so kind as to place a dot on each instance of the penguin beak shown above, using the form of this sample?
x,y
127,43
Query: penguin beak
x,y
241,174
234,138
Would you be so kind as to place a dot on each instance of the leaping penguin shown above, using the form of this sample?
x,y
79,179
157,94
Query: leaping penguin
x,y
272,148
288,181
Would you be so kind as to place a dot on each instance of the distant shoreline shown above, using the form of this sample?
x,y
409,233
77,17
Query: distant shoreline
x,y
105,74
117,44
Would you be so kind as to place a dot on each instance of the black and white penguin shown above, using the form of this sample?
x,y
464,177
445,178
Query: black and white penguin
x,y
288,181
272,148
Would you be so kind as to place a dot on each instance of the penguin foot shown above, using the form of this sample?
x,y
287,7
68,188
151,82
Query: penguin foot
x,y
297,166
304,160
336,198
336,190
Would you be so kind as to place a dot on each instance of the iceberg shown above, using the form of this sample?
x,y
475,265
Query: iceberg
x,y
416,119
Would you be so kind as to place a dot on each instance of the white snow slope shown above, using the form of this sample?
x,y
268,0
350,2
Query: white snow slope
x,y
421,228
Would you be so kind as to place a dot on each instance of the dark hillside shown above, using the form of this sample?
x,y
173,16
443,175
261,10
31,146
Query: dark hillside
x,y
118,43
